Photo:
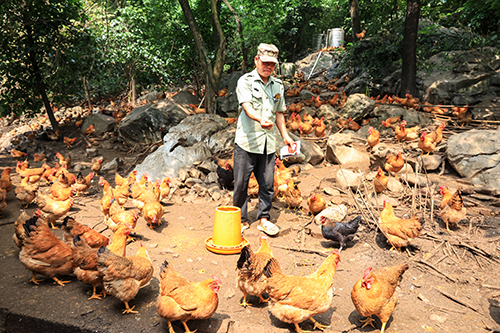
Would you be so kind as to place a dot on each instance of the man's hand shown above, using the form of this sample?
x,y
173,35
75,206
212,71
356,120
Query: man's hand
x,y
266,124
287,140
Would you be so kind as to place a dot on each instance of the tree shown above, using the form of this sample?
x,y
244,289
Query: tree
x,y
355,20
409,51
212,72
36,50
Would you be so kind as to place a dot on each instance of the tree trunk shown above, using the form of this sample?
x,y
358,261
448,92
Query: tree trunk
x,y
87,93
244,50
409,52
38,76
133,90
214,73
355,20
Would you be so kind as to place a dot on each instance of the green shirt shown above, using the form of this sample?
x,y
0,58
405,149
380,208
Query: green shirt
x,y
250,136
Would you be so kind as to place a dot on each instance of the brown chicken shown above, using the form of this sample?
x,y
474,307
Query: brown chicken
x,y
123,277
68,141
152,212
436,109
392,122
118,216
352,125
394,163
17,154
316,203
293,196
39,158
398,232
343,99
43,253
319,127
410,133
145,193
121,194
452,207
197,109
294,299
375,293
82,184
380,181
59,192
106,197
91,237
426,144
164,188
334,100
85,258
373,138
361,35
305,128
122,181
64,161
184,300
89,130
399,132
96,166
23,171
223,92
464,115
19,232
26,192
250,266
53,209
5,181
437,135
253,186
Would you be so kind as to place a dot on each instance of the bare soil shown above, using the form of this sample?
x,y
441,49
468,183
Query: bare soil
x,y
451,285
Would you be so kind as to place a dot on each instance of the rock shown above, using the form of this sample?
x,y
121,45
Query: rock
x,y
91,152
412,117
412,179
357,106
378,200
476,155
150,97
207,166
338,151
222,140
79,167
112,166
394,185
346,178
211,178
195,173
228,104
101,122
432,162
306,65
335,213
190,182
183,175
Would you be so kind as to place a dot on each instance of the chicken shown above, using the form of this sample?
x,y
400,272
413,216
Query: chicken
x,y
23,171
152,212
334,100
380,181
392,122
3,202
64,177
253,186
106,197
26,192
96,165
319,127
119,115
17,154
436,109
410,133
452,207
197,109
250,266
59,192
383,100
64,161
375,293
5,181
85,258
361,35
352,125
373,138
91,237
79,121
291,124
307,118
426,144
123,277
82,184
305,128
223,92
89,130
398,232
399,132
293,196
164,188
437,135
341,232
341,123
39,158
294,299
43,253
121,194
316,203
121,181
394,163
19,233
464,115
343,99
68,141
184,300
225,176
48,174
147,193
122,217
53,209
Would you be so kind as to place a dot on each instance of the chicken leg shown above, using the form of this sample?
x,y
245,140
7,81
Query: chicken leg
x,y
129,309
34,280
383,328
59,282
299,330
187,328
368,321
244,303
318,325
263,300
94,294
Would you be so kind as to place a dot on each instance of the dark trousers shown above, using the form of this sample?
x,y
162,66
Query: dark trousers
x,y
262,166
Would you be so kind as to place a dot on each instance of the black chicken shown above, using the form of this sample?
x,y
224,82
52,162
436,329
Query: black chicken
x,y
341,232
225,176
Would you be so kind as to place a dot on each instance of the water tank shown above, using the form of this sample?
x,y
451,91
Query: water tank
x,y
287,69
318,42
335,37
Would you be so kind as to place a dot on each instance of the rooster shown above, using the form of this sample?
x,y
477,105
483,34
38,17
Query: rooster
x,y
251,265
294,299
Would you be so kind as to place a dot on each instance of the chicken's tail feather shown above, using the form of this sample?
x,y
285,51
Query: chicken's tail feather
x,y
244,256
30,224
272,268
164,265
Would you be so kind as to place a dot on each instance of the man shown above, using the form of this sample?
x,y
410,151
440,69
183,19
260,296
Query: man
x,y
262,98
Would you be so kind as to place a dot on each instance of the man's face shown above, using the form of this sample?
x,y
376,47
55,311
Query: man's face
x,y
264,69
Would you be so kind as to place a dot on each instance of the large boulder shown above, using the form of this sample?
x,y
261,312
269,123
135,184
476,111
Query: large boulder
x,y
339,150
476,155
411,116
102,123
357,106
147,123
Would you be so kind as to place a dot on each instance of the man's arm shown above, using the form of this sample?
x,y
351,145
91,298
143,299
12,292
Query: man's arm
x,y
280,123
252,114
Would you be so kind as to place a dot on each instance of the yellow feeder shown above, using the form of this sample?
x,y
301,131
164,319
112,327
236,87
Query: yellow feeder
x,y
226,237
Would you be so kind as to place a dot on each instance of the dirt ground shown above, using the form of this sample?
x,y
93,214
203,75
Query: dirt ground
x,y
451,285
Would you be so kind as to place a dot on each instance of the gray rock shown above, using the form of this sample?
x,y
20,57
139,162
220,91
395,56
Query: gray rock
x,y
183,175
101,122
112,166
338,151
394,185
91,152
79,167
211,178
432,162
346,178
357,106
222,140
